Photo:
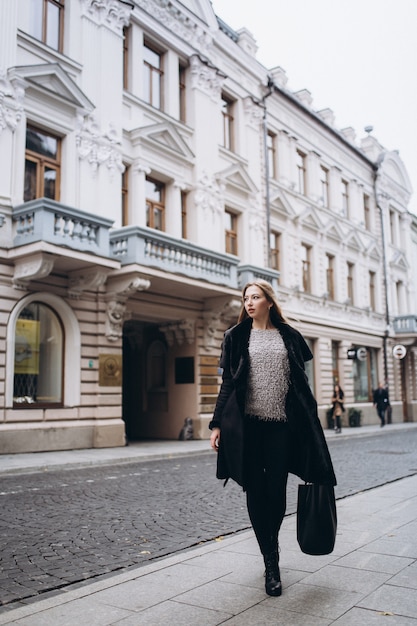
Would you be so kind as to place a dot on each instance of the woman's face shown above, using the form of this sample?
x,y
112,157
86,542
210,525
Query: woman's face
x,y
256,304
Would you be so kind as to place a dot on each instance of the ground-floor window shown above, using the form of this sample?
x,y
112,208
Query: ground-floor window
x,y
39,354
309,365
365,374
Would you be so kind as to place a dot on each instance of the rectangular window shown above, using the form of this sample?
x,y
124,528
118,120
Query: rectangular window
x,y
306,267
153,74
350,279
126,41
46,20
182,92
367,212
155,204
324,182
309,366
335,362
365,375
230,219
271,154
301,170
393,232
345,198
228,122
125,196
42,165
372,290
183,214
275,240
330,276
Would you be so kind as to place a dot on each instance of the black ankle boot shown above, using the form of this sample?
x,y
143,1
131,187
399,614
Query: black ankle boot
x,y
273,585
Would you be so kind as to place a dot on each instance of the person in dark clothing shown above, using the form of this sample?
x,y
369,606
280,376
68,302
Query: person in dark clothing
x,y
381,402
338,408
265,422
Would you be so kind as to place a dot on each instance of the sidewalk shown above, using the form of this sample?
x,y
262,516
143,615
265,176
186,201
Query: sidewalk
x,y
370,578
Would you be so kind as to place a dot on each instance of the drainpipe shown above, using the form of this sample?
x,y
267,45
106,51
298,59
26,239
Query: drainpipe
x,y
384,260
270,89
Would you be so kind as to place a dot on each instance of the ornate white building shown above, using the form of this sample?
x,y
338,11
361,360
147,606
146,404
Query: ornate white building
x,y
151,166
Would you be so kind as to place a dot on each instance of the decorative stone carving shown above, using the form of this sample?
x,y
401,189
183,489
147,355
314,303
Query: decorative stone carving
x,y
113,14
256,219
254,111
86,281
11,103
206,77
178,22
209,194
120,290
181,331
33,267
97,147
226,314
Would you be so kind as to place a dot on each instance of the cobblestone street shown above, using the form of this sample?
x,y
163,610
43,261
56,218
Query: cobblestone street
x,y
67,526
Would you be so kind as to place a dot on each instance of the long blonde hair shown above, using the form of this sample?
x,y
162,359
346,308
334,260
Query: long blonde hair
x,y
275,312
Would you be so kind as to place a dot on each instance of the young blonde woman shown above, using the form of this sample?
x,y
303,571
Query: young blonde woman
x,y
265,422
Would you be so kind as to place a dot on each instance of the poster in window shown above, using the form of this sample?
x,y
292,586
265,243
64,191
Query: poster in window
x,y
26,352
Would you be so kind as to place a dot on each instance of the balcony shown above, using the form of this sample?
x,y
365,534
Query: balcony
x,y
46,220
153,248
405,325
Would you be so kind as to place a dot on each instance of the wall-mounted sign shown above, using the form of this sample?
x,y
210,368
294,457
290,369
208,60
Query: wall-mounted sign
x,y
110,370
351,353
361,354
399,351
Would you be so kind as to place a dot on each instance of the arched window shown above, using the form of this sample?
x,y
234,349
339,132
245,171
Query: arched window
x,y
38,357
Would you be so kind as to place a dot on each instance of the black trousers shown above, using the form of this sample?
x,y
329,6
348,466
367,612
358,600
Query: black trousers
x,y
267,453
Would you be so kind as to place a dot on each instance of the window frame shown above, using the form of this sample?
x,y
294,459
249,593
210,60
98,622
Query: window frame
x,y
151,205
231,234
345,196
60,4
228,138
42,405
271,152
324,180
125,196
149,71
330,275
350,281
372,290
306,268
301,162
182,89
42,163
275,250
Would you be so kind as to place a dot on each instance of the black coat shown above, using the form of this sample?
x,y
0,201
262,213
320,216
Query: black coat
x,y
310,458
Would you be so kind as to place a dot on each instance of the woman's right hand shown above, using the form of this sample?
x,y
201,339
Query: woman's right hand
x,y
215,439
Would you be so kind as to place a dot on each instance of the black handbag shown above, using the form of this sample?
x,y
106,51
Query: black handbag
x,y
316,518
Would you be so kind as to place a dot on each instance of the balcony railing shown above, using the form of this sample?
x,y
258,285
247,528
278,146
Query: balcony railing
x,y
405,324
153,248
46,220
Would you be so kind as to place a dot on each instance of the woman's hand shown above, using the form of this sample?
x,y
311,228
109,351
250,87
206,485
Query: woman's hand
x,y
215,439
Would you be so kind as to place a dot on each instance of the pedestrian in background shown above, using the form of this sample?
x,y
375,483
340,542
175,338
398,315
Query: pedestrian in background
x,y
381,402
338,408
265,422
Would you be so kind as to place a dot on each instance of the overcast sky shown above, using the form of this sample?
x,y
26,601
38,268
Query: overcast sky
x,y
356,57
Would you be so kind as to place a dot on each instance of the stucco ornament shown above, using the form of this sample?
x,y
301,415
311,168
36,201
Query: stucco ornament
x,y
98,147
209,194
113,14
11,103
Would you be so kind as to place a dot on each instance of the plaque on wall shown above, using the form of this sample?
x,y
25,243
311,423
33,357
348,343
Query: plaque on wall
x,y
110,370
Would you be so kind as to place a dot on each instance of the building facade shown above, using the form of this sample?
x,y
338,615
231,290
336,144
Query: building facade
x,y
151,166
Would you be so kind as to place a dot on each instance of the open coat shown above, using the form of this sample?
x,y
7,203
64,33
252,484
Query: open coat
x,y
310,458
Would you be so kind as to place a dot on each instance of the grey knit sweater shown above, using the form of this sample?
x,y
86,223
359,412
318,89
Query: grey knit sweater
x,y
268,376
